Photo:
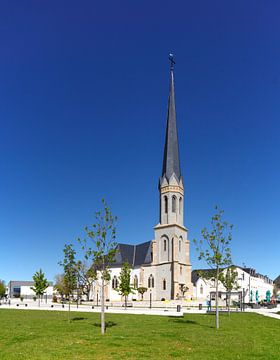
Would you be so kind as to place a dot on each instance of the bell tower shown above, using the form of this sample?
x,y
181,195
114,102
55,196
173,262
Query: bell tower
x,y
171,246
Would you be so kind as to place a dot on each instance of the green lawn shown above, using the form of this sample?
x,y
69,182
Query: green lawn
x,y
26,334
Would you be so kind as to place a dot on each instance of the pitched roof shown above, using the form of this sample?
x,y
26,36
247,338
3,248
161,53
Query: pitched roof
x,y
171,161
135,255
277,281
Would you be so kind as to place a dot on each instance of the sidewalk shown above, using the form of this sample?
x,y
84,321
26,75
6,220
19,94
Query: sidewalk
x,y
267,312
86,308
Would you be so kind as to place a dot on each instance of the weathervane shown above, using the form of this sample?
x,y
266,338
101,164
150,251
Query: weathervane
x,y
172,61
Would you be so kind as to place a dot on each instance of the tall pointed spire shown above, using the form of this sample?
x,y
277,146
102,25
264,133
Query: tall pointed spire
x,y
171,160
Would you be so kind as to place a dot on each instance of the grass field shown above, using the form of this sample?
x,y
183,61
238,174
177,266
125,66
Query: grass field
x,y
26,334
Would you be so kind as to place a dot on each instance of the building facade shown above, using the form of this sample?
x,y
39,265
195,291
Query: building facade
x,y
22,289
163,264
253,286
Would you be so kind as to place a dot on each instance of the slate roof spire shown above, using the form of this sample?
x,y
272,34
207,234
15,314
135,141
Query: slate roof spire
x,y
171,160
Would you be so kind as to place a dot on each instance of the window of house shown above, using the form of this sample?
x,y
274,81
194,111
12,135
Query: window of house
x,y
164,284
201,289
173,203
181,270
179,245
164,244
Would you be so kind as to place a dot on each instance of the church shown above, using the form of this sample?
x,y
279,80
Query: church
x,y
163,264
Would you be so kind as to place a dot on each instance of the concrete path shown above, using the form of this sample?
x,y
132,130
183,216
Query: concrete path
x,y
267,312
85,308
171,311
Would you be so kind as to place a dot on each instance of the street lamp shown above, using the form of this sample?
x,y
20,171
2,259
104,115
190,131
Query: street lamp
x,y
150,298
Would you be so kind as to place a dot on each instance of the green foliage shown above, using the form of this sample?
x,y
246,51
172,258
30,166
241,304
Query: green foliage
x,y
214,249
70,272
214,245
142,290
2,289
125,287
100,249
100,242
229,279
70,269
40,283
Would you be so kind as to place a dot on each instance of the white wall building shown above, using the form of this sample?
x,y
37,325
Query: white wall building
x,y
253,286
17,289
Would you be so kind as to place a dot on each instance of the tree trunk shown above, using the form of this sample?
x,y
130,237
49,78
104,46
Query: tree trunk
x,y
39,300
125,301
102,315
229,296
69,309
217,300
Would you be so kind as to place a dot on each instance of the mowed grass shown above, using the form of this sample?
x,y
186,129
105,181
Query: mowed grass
x,y
27,334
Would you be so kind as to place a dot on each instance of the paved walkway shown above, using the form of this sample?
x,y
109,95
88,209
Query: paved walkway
x,y
135,311
85,308
267,312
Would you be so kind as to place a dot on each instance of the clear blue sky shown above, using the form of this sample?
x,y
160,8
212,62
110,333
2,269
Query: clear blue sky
x,y
83,99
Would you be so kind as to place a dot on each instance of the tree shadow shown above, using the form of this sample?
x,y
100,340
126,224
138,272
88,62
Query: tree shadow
x,y
79,318
108,324
188,322
183,321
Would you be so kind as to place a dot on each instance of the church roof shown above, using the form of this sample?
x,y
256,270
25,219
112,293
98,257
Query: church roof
x,y
135,255
171,160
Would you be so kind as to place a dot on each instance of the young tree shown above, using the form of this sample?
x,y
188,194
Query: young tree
x,y
214,249
229,280
86,275
125,287
59,285
2,288
70,272
142,291
40,284
100,246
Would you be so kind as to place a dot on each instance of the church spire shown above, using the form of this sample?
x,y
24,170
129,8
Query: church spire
x,y
171,160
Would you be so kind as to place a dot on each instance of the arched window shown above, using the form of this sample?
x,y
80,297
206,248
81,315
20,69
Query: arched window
x,y
164,244
181,270
135,282
165,204
164,284
115,282
180,245
151,282
180,205
201,290
174,203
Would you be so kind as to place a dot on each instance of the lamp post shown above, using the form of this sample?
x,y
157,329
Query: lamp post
x,y
97,299
150,298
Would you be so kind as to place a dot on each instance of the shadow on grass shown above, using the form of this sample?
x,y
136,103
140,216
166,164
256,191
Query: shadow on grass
x,y
188,322
78,318
108,324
